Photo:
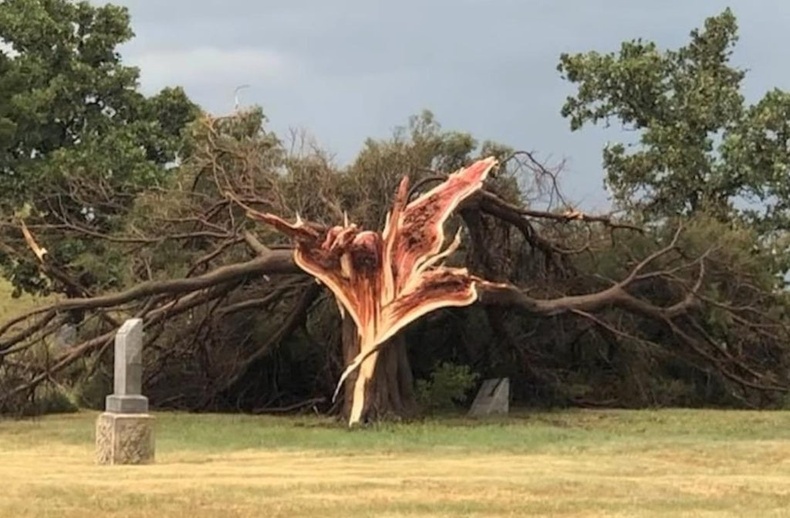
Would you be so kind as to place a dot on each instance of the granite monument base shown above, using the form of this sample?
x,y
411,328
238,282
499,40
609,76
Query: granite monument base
x,y
124,438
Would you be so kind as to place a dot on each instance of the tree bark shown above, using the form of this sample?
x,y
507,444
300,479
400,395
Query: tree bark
x,y
388,391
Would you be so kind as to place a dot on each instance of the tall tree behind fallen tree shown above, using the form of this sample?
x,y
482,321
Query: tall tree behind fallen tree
x,y
701,151
79,140
701,147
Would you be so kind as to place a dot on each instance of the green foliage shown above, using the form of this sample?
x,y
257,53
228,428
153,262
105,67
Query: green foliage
x,y
740,300
448,386
700,147
80,141
90,393
705,159
50,399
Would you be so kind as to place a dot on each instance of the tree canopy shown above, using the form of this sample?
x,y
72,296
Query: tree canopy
x,y
701,146
80,140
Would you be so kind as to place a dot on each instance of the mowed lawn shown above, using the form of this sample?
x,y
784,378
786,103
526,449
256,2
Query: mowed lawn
x,y
574,463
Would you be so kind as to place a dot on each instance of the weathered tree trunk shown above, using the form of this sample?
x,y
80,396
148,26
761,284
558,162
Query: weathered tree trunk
x,y
389,391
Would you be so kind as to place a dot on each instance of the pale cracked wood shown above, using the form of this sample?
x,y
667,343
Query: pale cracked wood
x,y
124,438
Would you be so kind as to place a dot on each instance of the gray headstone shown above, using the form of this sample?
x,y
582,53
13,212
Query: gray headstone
x,y
128,377
493,398
66,336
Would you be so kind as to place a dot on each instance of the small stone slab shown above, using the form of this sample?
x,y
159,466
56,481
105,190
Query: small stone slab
x,y
493,398
124,439
66,336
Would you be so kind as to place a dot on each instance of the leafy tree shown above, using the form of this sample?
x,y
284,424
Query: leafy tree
x,y
79,139
702,157
700,146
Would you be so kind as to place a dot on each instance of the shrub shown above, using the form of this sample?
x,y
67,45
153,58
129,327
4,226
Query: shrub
x,y
447,387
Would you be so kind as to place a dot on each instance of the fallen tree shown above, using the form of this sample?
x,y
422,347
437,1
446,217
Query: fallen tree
x,y
679,300
387,281
660,305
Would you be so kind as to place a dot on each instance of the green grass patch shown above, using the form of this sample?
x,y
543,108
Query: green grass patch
x,y
569,463
523,432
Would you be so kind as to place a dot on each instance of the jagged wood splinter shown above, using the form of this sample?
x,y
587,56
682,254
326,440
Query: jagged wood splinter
x,y
387,280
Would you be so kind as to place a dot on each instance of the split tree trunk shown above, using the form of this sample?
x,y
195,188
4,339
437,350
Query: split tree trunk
x,y
389,392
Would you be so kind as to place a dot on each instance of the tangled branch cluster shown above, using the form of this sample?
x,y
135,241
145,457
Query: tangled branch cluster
x,y
192,265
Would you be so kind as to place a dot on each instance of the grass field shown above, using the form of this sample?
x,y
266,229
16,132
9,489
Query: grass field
x,y
582,463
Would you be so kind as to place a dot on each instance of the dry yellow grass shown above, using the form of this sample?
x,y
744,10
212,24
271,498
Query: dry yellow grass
x,y
564,464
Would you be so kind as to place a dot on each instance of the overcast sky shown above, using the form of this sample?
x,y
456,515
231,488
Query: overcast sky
x,y
350,69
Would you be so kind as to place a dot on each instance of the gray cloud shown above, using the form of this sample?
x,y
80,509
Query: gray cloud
x,y
350,69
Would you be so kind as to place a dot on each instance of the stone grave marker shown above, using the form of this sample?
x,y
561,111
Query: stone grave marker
x,y
125,431
493,398
66,336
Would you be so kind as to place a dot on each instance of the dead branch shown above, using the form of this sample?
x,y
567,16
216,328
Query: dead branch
x,y
275,262
153,318
290,408
490,202
295,317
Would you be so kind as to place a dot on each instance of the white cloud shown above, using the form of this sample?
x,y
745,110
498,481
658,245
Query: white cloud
x,y
211,67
